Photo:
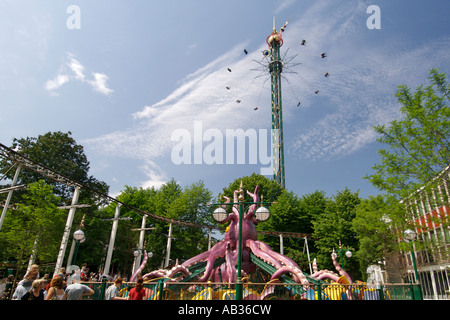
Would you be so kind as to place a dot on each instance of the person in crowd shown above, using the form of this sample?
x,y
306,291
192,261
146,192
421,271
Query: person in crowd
x,y
112,293
84,273
6,295
33,272
138,292
62,273
56,290
76,290
36,292
24,285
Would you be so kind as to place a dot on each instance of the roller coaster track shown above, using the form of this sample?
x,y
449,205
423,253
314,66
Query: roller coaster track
x,y
26,162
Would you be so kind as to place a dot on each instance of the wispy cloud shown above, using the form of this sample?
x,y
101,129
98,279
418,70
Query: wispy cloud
x,y
100,83
76,67
284,4
72,69
155,177
57,82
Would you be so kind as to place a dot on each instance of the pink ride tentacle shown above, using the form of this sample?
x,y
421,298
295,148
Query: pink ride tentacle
x,y
220,252
230,263
263,255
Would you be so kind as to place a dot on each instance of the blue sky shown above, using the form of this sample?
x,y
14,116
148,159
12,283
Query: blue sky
x,y
135,72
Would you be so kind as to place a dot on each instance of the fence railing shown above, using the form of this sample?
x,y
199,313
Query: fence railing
x,y
163,290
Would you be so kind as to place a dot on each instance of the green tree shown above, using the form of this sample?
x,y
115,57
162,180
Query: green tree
x,y
418,144
286,215
334,226
373,226
191,206
35,226
269,189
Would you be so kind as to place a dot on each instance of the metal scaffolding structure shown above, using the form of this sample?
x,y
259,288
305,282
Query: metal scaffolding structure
x,y
275,41
23,162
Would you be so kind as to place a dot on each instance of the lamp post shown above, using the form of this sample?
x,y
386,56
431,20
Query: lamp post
x,y
136,254
347,251
410,236
220,215
79,238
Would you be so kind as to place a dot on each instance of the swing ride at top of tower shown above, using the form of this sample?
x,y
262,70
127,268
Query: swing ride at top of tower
x,y
283,63
275,64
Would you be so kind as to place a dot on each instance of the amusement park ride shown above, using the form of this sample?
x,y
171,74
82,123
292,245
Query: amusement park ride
x,y
240,259
276,65
275,41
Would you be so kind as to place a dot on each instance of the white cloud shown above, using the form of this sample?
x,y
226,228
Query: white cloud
x,y
98,83
154,174
57,82
284,5
76,68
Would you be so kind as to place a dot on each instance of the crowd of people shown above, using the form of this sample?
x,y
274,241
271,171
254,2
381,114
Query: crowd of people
x,y
65,286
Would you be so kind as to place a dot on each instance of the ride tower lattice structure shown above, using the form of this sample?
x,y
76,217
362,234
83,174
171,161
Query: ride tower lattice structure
x,y
275,41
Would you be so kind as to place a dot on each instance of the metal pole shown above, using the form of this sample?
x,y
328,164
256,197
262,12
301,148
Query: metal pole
x,y
8,198
75,243
413,255
239,279
169,243
65,239
307,252
72,249
112,239
141,243
33,255
209,239
77,246
281,244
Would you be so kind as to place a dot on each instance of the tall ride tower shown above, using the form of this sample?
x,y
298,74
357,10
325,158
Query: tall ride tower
x,y
275,41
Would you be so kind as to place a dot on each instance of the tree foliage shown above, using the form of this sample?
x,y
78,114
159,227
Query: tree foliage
x,y
334,227
373,226
418,144
34,226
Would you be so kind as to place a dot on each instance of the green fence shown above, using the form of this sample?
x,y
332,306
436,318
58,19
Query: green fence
x,y
163,290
